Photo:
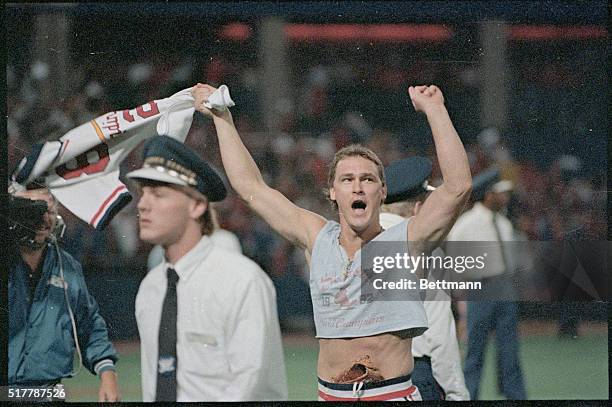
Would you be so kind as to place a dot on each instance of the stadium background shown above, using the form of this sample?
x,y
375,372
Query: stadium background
x,y
525,85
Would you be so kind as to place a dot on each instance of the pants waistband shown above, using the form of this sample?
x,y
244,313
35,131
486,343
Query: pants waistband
x,y
395,389
366,386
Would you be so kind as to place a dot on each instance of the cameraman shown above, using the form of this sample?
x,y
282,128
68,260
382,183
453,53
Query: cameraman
x,y
47,299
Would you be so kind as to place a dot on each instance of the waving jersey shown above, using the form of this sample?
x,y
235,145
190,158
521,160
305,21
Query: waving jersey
x,y
81,168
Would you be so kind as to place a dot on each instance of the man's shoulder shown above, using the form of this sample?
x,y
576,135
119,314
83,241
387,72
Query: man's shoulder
x,y
237,266
232,259
227,239
471,215
153,276
69,264
474,211
329,228
66,256
388,219
463,225
154,272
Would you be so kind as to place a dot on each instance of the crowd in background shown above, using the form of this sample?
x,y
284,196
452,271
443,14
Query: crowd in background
x,y
558,190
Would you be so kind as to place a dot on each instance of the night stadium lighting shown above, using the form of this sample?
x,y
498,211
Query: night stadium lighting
x,y
344,32
409,32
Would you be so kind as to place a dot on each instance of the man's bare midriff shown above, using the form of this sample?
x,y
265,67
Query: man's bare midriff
x,y
390,353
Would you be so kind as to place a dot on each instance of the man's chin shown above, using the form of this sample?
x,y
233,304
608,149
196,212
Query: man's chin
x,y
147,238
41,236
359,224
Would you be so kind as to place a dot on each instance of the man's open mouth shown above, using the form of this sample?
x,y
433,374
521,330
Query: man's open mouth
x,y
358,206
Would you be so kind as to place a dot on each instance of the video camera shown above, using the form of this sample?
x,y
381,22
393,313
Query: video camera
x,y
25,216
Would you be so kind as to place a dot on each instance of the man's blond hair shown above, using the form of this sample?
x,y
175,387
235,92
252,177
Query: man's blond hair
x,y
208,220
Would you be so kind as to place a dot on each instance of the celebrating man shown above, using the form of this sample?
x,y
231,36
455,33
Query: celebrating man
x,y
364,346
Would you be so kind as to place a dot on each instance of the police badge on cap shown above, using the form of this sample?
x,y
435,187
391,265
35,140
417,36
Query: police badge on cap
x,y
168,160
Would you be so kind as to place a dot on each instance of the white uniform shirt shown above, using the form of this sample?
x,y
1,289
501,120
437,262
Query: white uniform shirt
x,y
226,239
476,225
220,237
228,337
439,342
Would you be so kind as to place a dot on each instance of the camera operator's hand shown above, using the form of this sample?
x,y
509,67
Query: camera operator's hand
x,y
48,222
41,194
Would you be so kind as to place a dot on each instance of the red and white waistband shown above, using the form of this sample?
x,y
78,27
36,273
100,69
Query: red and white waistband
x,y
396,389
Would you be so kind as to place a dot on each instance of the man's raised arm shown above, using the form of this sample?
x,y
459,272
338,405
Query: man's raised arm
x,y
445,204
294,223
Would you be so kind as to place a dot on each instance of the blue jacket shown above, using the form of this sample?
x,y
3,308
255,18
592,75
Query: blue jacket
x,y
41,343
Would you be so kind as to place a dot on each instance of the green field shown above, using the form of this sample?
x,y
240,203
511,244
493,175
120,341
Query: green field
x,y
553,368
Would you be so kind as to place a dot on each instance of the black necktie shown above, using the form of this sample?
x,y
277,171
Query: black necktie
x,y
167,360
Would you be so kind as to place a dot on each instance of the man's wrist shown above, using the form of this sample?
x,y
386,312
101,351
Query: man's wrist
x,y
109,374
224,118
435,110
104,365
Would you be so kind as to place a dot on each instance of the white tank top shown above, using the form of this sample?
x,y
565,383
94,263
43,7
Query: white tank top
x,y
335,288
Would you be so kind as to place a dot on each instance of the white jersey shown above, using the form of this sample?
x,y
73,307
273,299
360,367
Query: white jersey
x,y
81,168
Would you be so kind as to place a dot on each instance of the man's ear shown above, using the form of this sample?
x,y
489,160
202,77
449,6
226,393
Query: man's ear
x,y
332,194
198,209
384,192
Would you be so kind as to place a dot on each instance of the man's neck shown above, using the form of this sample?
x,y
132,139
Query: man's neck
x,y
175,251
352,240
32,257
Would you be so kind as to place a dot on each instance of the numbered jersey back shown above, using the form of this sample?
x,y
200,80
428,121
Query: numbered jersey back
x,y
82,168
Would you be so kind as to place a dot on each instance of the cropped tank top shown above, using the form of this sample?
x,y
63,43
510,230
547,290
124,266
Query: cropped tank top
x,y
335,288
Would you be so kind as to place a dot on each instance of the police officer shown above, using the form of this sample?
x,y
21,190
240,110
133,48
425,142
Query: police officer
x,y
437,363
206,315
494,306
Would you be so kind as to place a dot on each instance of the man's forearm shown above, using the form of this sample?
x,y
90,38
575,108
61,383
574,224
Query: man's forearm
x,y
241,169
451,154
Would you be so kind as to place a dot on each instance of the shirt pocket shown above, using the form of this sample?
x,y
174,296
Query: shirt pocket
x,y
203,352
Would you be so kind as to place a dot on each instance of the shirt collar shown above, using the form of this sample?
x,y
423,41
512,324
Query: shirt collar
x,y
187,264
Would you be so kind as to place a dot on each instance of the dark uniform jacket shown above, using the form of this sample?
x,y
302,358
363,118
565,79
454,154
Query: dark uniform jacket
x,y
41,344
